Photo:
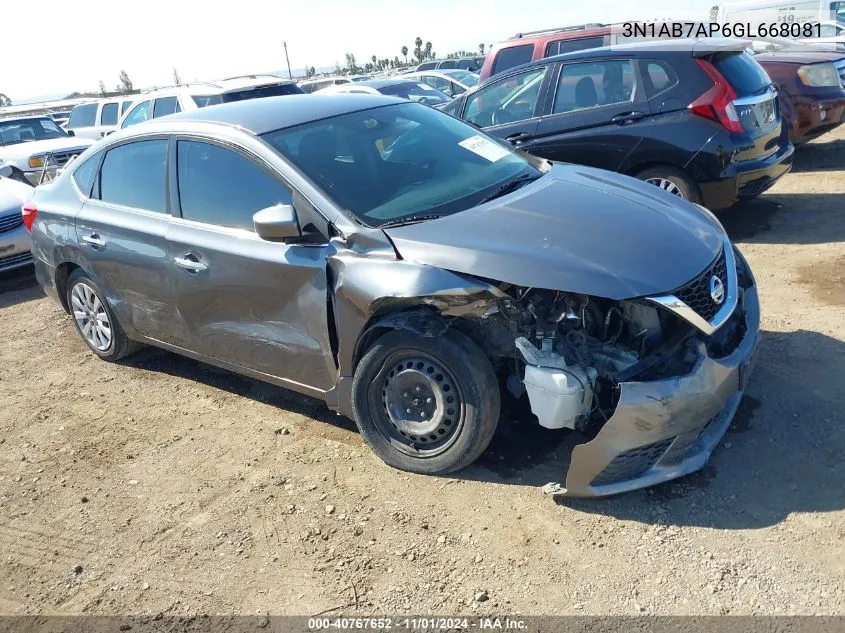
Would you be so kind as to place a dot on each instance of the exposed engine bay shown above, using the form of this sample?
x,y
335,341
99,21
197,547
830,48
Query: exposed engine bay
x,y
570,352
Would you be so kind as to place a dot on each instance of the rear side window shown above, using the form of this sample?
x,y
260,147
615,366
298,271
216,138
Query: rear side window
x,y
449,64
594,84
742,71
84,175
569,46
658,77
165,106
108,116
427,66
276,90
133,175
206,100
219,186
512,56
83,116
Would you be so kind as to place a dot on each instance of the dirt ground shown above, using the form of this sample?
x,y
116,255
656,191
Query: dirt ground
x,y
164,486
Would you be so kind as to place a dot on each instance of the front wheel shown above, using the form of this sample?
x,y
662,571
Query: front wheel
x,y
672,181
426,405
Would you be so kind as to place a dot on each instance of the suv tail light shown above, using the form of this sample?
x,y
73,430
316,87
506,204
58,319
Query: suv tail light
x,y
717,103
29,211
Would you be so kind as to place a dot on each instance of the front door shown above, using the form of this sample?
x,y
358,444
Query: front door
x,y
508,108
240,299
121,232
596,115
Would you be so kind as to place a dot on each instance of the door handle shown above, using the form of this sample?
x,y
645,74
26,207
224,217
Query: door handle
x,y
628,117
94,240
517,138
190,263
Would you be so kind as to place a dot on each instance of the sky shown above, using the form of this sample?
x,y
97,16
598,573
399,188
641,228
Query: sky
x,y
214,39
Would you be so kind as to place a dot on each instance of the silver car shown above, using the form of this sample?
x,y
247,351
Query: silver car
x,y
14,237
412,272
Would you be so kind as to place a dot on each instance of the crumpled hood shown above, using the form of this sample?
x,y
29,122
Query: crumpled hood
x,y
12,195
576,229
34,148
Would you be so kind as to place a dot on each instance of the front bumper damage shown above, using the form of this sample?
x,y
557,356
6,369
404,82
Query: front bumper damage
x,y
667,428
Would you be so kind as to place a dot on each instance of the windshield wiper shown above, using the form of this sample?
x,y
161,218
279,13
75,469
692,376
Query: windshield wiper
x,y
510,185
413,219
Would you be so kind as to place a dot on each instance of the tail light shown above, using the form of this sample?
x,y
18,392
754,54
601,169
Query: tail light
x,y
717,103
29,211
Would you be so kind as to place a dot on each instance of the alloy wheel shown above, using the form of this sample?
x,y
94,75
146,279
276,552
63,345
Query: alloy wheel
x,y
666,185
91,317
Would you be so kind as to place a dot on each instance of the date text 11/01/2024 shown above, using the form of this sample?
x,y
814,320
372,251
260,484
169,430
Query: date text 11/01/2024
x,y
417,624
676,30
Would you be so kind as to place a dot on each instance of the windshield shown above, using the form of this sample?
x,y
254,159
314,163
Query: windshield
x,y
465,77
421,93
207,100
399,161
24,130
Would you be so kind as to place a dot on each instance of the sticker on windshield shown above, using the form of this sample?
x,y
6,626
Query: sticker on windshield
x,y
484,148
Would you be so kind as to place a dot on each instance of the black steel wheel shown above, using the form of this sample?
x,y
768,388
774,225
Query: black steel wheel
x,y
427,405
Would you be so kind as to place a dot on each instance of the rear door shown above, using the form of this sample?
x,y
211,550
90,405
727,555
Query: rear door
x,y
596,113
510,107
241,299
121,232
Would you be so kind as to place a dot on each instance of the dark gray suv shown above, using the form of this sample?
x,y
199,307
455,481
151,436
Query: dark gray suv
x,y
413,273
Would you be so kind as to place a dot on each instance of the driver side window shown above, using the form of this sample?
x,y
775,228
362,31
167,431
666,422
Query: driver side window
x,y
139,114
506,101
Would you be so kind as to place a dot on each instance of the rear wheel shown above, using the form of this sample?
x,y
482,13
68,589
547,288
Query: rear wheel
x,y
672,181
95,320
426,405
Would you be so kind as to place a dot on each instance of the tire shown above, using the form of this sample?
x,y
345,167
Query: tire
x,y
85,299
447,379
676,182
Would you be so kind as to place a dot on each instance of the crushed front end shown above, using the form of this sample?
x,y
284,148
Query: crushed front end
x,y
652,382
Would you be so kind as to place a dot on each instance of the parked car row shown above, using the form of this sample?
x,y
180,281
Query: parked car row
x,y
412,272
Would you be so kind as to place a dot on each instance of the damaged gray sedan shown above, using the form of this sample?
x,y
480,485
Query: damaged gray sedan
x,y
413,273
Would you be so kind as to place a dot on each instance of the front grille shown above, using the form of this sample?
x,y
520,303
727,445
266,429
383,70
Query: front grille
x,y
631,463
10,222
15,260
696,293
61,158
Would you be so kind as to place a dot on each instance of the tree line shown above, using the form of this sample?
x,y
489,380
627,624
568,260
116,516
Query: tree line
x,y
422,51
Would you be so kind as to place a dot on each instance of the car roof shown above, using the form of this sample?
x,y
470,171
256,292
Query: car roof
x,y
23,117
274,113
645,49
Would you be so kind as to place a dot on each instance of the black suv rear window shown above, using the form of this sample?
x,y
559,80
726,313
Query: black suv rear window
x,y
569,46
512,56
743,72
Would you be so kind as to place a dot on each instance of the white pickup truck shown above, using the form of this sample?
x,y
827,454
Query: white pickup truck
x,y
36,147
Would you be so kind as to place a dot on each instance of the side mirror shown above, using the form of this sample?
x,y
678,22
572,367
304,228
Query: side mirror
x,y
70,133
276,223
6,171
